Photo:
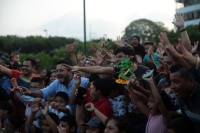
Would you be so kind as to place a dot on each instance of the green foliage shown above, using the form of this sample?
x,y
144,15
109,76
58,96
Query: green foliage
x,y
146,29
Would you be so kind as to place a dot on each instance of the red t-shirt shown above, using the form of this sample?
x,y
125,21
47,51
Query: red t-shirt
x,y
104,107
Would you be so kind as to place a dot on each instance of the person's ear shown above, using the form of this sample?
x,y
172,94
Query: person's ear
x,y
192,81
72,129
5,112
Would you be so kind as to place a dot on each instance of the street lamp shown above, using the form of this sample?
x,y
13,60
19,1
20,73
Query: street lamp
x,y
84,25
46,33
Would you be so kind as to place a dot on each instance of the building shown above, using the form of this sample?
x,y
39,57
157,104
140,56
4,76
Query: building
x,y
190,9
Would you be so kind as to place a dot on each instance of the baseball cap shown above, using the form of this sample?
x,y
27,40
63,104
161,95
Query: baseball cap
x,y
94,122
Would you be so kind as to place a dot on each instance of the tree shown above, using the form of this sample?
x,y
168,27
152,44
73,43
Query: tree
x,y
146,29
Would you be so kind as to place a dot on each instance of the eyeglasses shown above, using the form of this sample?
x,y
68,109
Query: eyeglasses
x,y
25,66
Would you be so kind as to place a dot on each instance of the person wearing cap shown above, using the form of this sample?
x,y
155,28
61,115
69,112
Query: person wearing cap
x,y
94,125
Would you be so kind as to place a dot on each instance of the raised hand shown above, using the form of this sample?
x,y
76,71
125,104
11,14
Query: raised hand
x,y
160,51
194,48
132,81
79,55
103,42
70,47
90,107
94,48
119,42
164,68
45,109
112,59
61,129
77,79
34,107
179,21
4,64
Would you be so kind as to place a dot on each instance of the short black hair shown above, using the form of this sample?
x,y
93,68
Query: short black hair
x,y
148,43
105,85
16,120
136,36
121,122
126,50
4,105
37,80
33,62
182,70
63,95
67,62
53,116
70,120
181,125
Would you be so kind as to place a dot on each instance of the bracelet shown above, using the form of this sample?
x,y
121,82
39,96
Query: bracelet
x,y
182,30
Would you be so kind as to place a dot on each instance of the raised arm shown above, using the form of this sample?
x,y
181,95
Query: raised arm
x,y
35,94
5,71
29,122
158,101
135,99
94,69
70,48
79,118
179,23
77,81
171,51
90,107
51,123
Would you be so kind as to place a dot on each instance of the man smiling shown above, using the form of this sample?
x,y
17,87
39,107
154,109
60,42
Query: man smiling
x,y
188,92
64,83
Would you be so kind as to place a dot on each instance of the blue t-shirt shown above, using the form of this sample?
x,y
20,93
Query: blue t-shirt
x,y
155,58
56,86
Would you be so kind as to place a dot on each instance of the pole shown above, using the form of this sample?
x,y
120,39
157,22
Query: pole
x,y
84,25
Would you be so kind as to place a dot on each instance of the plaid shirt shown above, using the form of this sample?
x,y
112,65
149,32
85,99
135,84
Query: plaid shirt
x,y
193,112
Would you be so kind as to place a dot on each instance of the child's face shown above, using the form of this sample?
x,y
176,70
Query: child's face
x,y
153,110
94,93
45,126
35,86
90,129
66,127
9,127
16,58
60,101
53,77
146,48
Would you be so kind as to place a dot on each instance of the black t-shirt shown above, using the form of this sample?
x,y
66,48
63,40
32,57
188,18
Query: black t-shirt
x,y
139,50
3,95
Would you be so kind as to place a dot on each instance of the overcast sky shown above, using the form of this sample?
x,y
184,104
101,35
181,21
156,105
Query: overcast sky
x,y
65,17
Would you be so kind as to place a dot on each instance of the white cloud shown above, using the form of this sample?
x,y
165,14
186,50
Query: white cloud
x,y
65,17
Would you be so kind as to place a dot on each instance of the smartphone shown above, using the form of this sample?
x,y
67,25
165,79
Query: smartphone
x,y
148,74
87,61
79,98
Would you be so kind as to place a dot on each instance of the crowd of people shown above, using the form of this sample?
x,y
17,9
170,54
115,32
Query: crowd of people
x,y
135,88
